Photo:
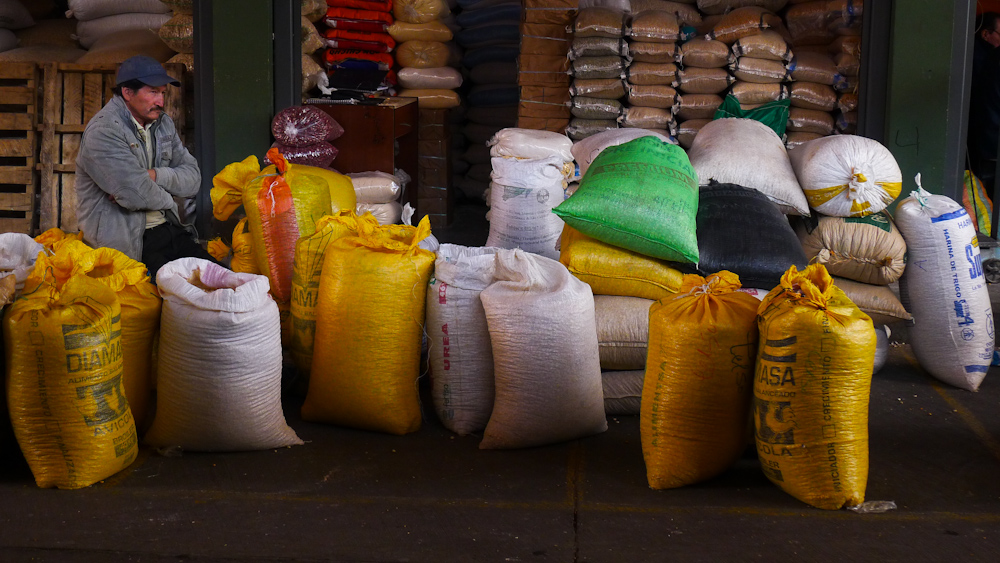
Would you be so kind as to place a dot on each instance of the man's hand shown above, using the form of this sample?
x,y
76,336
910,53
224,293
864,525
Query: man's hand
x,y
152,174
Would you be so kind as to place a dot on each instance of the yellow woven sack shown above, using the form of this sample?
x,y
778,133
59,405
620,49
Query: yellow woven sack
x,y
219,249
699,380
228,185
369,323
811,389
306,275
342,194
431,31
244,261
64,351
140,305
610,270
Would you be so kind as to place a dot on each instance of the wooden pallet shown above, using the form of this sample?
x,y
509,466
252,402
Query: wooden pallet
x,y
72,95
18,146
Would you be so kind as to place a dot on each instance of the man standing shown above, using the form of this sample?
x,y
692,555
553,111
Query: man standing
x,y
130,165
984,100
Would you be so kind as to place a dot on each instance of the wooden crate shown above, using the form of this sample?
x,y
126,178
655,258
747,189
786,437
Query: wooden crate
x,y
72,94
18,146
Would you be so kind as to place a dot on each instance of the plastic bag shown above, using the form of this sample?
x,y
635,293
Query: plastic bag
x,y
595,108
697,106
743,22
579,129
810,121
764,45
703,80
18,253
759,71
615,201
648,117
375,187
798,138
772,114
813,67
610,88
652,73
319,155
688,130
430,31
742,231
877,301
458,338
365,360
422,54
244,260
585,151
432,78
812,95
299,126
655,26
420,11
748,153
388,213
647,52
622,331
548,389
954,335
705,53
598,67
359,20
811,390
362,40
751,93
219,373
432,98
597,47
529,143
63,349
599,22
867,249
699,373
723,6
610,270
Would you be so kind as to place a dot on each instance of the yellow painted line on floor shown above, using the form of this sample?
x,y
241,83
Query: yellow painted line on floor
x,y
965,414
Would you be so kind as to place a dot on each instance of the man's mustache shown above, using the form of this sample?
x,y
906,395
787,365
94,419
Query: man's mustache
x,y
158,108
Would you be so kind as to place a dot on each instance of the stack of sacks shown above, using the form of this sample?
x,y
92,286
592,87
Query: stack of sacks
x,y
37,40
542,65
356,36
303,135
98,18
378,193
606,243
490,35
495,365
826,37
599,58
849,181
705,58
737,24
653,33
761,69
178,32
313,75
530,169
423,53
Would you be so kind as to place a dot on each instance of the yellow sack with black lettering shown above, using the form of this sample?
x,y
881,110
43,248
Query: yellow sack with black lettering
x,y
610,270
140,306
699,380
306,275
811,390
244,261
63,350
369,325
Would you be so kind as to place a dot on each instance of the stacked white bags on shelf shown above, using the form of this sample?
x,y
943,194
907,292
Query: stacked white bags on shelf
x,y
378,193
428,72
530,170
98,18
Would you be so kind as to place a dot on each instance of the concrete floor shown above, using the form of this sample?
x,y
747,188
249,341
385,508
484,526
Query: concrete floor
x,y
355,496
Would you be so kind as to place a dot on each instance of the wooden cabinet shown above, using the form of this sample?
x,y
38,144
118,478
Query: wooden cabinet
x,y
377,137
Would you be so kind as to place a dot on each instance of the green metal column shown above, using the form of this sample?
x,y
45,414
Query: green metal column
x,y
927,94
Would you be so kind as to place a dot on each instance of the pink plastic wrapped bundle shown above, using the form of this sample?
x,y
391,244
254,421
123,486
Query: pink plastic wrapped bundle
x,y
319,154
299,126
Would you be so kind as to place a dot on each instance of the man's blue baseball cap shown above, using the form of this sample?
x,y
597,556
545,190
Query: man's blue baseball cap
x,y
146,70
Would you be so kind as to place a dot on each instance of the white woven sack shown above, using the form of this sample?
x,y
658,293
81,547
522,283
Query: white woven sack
x,y
547,370
18,253
530,143
748,153
386,213
623,391
622,331
458,339
944,288
444,77
375,187
86,10
522,195
586,150
88,32
846,175
219,370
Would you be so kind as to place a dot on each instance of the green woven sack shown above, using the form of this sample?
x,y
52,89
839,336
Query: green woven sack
x,y
773,114
641,196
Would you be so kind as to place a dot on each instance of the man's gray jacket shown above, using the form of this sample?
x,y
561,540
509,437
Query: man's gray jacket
x,y
112,162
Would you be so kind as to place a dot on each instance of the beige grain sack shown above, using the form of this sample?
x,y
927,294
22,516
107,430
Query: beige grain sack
x,y
622,331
